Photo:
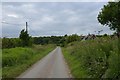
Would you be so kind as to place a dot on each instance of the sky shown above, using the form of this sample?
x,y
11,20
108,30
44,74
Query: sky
x,y
52,18
56,0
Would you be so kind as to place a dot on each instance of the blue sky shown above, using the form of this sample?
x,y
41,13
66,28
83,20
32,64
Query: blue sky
x,y
52,18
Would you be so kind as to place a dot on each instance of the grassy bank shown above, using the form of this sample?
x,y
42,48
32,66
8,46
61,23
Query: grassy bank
x,y
98,58
0,62
0,57
17,60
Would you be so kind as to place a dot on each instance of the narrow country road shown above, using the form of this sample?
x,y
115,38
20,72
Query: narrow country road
x,y
51,66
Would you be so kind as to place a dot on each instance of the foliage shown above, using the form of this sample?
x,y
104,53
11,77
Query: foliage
x,y
0,43
25,38
97,58
47,40
58,40
11,42
63,41
17,60
72,38
110,15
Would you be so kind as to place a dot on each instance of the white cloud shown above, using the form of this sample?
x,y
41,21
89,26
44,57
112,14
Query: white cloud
x,y
56,0
0,19
12,15
68,11
46,19
52,18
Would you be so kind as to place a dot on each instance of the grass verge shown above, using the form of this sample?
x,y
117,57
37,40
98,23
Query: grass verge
x,y
17,60
98,58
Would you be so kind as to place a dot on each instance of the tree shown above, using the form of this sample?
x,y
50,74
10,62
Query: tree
x,y
72,38
105,35
25,38
110,15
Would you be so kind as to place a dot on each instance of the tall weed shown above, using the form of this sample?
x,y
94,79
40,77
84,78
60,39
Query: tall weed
x,y
96,58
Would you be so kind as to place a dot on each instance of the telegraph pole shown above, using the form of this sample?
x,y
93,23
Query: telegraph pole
x,y
26,27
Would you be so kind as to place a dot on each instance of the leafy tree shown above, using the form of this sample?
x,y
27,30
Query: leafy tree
x,y
105,35
73,37
110,15
63,40
25,38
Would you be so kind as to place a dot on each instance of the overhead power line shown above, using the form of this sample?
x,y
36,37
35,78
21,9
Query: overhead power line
x,y
32,31
10,23
21,25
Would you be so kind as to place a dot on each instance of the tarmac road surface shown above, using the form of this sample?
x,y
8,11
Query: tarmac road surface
x,y
51,66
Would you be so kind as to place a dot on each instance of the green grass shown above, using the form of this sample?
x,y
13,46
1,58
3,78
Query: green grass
x,y
0,62
0,57
17,60
98,58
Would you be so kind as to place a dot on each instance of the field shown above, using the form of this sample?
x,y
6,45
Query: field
x,y
99,58
17,60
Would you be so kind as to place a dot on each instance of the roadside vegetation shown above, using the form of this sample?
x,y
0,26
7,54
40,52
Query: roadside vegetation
x,y
97,58
17,60
92,56
0,57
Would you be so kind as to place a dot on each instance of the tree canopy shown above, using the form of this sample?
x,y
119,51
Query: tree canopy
x,y
110,15
25,38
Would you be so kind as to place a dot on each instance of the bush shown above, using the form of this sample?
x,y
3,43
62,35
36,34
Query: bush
x,y
11,42
17,60
97,58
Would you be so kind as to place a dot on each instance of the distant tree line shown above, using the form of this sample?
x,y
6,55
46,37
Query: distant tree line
x,y
47,40
58,40
11,42
25,40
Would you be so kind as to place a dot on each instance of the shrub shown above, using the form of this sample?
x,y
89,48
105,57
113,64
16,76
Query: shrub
x,y
97,58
